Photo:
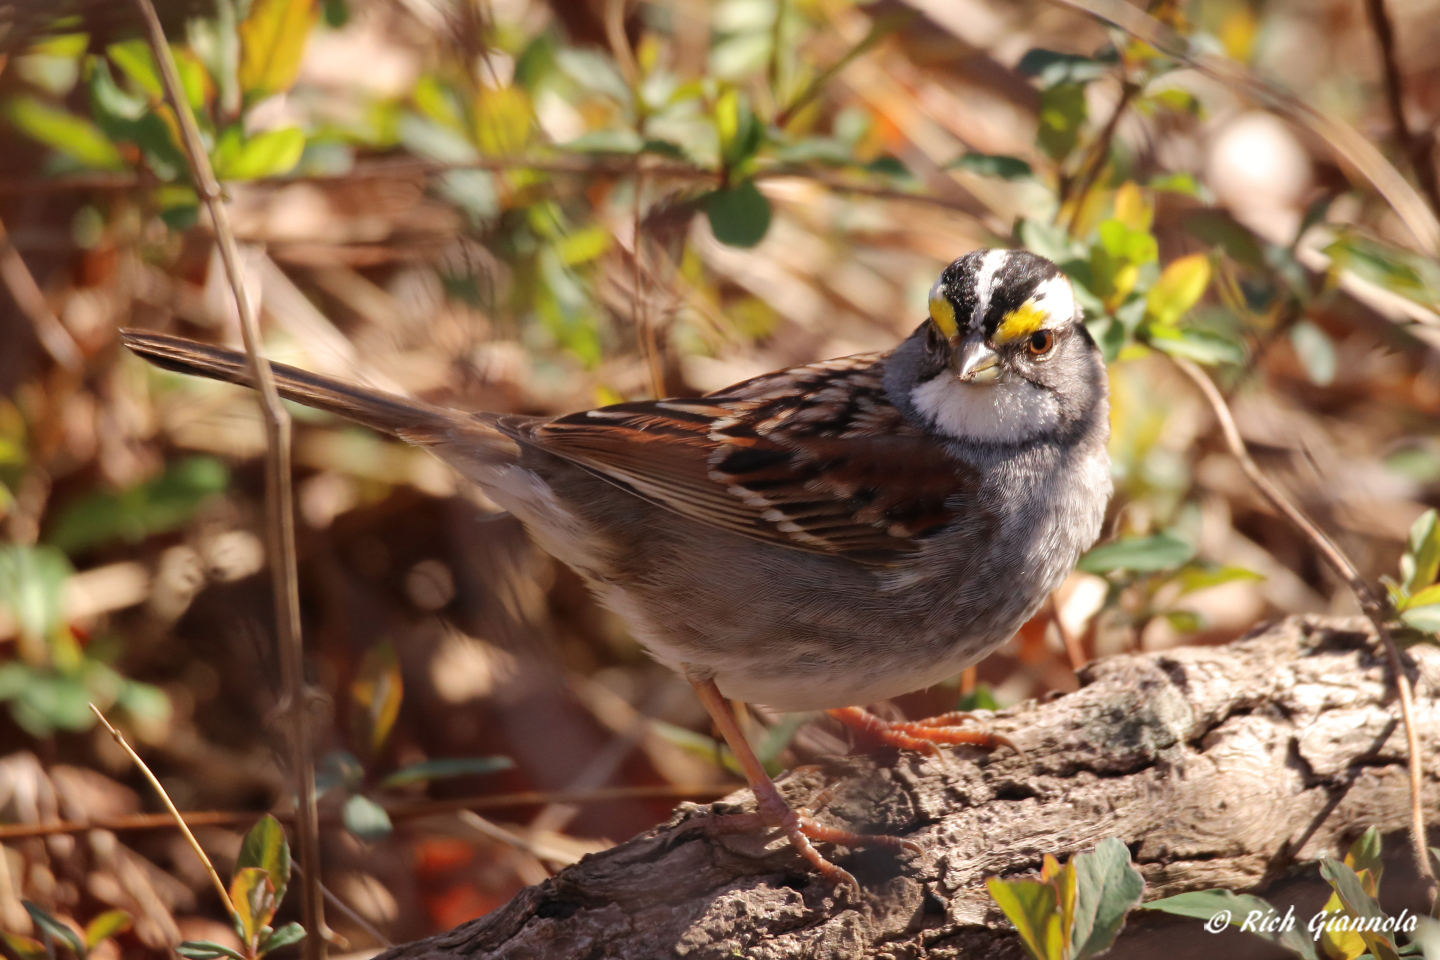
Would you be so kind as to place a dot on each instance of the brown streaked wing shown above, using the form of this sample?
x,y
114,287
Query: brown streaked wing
x,y
815,458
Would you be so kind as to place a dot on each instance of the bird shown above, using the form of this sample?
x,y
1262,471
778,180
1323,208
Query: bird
x,y
818,538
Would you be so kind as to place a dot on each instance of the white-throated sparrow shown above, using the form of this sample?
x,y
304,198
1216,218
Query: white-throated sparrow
x,y
816,538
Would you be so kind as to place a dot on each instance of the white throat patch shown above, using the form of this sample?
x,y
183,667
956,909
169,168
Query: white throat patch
x,y
1008,412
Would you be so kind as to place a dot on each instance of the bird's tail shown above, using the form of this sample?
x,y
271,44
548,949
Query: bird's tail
x,y
410,420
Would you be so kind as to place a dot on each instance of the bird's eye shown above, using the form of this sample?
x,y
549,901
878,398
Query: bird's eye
x,y
1040,342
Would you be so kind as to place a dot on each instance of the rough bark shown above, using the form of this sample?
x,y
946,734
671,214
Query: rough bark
x,y
1219,766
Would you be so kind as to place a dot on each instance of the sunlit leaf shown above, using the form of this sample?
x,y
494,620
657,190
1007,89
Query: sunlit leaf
x,y
105,926
1359,902
1420,564
1202,346
1425,618
134,60
32,587
378,691
25,947
265,847
365,818
1160,551
267,154
503,120
272,42
1394,268
253,896
1179,288
1196,578
1033,907
446,767
73,136
739,216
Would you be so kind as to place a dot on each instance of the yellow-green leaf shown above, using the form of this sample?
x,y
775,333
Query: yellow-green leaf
x,y
503,120
272,41
71,135
267,154
105,926
134,60
1132,208
1031,905
1178,289
253,897
378,691
265,847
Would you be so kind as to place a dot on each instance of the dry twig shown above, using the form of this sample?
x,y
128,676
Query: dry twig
x,y
1417,150
279,501
1371,604
173,813
31,300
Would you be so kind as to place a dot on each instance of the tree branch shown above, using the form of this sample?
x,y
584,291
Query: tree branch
x,y
1218,766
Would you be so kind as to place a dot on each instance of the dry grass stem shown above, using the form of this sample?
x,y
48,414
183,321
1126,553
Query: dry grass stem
x,y
1373,607
31,300
1417,150
174,814
279,501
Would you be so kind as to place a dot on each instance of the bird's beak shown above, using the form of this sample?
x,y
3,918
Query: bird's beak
x,y
973,361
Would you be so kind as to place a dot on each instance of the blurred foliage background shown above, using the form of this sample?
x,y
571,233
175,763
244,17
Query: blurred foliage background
x,y
542,206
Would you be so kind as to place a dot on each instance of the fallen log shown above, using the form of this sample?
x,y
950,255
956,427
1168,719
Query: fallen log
x,y
1228,767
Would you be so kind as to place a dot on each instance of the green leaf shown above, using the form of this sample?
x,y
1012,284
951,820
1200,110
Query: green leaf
x,y
253,896
1351,891
265,847
366,819
1426,618
1033,907
73,136
1179,288
32,587
290,933
206,950
56,929
1202,346
446,767
1197,578
1421,561
739,216
606,141
1129,244
272,41
994,165
1218,228
1107,886
1062,113
1366,853
155,506
27,948
981,698
268,154
1235,909
1051,67
134,60
105,926
1316,352
1394,268
1160,551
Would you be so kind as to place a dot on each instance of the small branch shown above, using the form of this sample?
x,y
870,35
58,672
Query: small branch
x,y
400,811
279,501
1415,150
28,297
644,331
1099,153
1372,606
174,814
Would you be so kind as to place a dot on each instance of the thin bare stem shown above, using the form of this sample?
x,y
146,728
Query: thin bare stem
x,y
174,814
1415,150
28,297
644,331
397,812
279,502
1371,604
1099,153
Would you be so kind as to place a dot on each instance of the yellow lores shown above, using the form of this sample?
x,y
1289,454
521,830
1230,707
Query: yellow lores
x,y
1020,322
942,311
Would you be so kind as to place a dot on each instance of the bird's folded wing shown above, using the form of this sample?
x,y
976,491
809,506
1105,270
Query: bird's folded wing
x,y
815,458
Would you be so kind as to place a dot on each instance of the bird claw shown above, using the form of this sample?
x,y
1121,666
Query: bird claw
x,y
922,736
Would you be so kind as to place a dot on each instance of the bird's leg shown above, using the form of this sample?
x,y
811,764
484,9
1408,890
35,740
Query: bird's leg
x,y
772,810
924,736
